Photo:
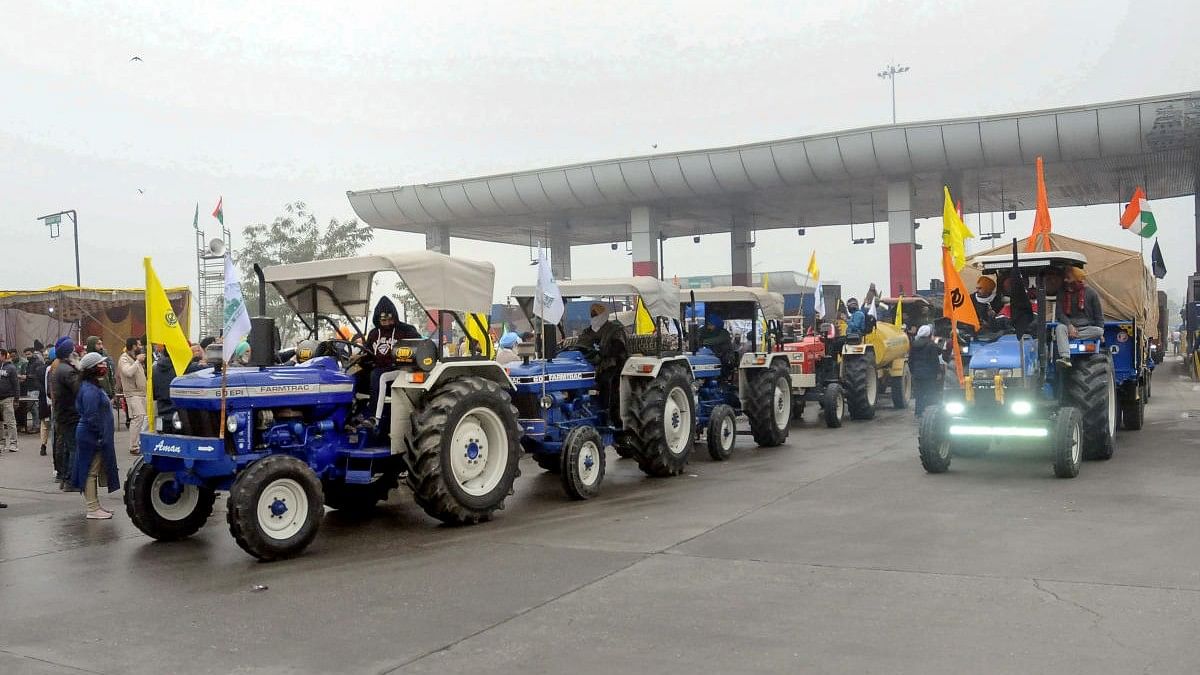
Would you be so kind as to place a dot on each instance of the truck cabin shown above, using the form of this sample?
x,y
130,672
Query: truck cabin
x,y
451,292
621,297
755,314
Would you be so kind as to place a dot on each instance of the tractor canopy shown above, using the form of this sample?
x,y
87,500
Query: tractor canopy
x,y
660,298
342,286
771,303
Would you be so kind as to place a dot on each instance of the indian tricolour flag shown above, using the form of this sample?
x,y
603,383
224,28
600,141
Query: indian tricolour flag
x,y
1138,216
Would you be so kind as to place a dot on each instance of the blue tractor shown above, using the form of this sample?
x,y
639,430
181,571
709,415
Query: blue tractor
x,y
638,398
1014,390
286,441
751,378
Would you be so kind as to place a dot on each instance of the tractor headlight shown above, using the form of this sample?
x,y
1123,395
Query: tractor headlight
x,y
955,408
233,423
176,422
1022,407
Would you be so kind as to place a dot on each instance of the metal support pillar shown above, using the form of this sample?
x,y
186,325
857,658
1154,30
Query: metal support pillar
x,y
741,256
560,254
437,238
644,231
902,252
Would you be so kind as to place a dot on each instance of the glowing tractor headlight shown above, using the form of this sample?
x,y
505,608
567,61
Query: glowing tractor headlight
x,y
955,408
176,422
1022,407
232,423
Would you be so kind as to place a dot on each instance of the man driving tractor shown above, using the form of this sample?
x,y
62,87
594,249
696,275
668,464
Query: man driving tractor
x,y
603,345
381,343
714,336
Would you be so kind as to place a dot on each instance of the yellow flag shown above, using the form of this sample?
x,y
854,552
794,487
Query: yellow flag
x,y
766,281
477,330
954,232
162,326
814,272
643,324
900,311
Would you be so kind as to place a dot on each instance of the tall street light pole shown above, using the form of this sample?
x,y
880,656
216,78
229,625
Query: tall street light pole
x,y
52,221
890,73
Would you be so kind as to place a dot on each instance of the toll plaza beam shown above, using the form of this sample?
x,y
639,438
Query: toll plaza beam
x,y
560,254
741,257
644,231
902,250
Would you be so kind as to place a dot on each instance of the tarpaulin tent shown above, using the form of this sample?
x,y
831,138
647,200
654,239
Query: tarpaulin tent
x,y
1126,286
113,314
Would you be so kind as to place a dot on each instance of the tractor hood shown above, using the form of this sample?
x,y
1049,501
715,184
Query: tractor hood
x,y
315,382
1005,352
568,370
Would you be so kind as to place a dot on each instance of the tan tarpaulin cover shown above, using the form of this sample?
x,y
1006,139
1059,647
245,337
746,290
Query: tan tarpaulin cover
x,y
1127,288
771,302
437,281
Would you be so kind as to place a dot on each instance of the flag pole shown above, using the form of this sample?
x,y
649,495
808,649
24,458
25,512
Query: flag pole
x,y
224,382
150,411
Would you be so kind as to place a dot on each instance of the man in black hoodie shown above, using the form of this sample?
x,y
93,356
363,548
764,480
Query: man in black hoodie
x,y
381,343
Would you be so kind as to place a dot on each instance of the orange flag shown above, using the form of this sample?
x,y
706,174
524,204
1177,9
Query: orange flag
x,y
956,306
1041,219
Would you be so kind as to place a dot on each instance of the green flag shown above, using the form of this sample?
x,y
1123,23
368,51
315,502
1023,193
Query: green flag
x,y
219,212
196,218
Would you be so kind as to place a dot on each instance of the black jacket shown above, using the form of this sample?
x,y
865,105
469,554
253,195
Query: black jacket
x,y
64,386
164,373
10,384
381,342
925,359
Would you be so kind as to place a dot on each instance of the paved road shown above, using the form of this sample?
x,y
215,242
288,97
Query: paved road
x,y
835,553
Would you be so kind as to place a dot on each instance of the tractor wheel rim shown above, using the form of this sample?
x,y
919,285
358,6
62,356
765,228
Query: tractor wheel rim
x,y
783,402
1076,444
1112,407
587,465
727,433
171,500
282,509
841,406
478,451
907,380
872,387
677,421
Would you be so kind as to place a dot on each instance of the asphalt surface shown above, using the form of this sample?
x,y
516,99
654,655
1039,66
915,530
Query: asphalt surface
x,y
834,553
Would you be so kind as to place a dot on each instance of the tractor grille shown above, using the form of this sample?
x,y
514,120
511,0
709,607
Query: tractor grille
x,y
198,423
527,406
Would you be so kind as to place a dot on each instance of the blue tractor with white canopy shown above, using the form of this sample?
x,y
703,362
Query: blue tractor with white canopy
x,y
753,379
1016,388
287,441
638,398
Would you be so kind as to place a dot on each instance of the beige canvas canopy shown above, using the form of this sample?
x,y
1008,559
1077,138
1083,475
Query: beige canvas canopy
x,y
771,303
1126,286
660,298
437,281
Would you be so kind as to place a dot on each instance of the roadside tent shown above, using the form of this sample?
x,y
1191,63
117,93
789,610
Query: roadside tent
x,y
113,314
1126,286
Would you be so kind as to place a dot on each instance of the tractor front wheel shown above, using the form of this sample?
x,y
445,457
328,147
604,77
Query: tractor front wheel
x,y
163,508
721,433
933,441
1068,442
464,450
833,405
275,507
582,460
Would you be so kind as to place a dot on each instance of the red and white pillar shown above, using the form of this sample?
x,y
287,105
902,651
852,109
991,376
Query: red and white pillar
x,y
902,250
644,231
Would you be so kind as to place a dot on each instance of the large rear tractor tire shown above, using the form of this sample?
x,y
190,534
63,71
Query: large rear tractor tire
x,y
662,412
275,507
769,405
862,385
582,460
901,387
162,508
833,405
464,450
933,441
1067,437
1090,389
721,433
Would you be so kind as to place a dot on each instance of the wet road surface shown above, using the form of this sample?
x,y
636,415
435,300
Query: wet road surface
x,y
834,553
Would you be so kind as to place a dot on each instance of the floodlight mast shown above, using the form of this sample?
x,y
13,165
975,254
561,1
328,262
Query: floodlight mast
x,y
51,221
889,73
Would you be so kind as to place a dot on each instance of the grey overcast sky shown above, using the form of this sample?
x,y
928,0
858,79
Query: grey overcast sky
x,y
268,102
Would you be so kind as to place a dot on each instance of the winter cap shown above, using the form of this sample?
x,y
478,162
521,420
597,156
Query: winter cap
x,y
91,360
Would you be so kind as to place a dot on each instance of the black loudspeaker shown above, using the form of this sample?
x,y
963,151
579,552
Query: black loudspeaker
x,y
262,341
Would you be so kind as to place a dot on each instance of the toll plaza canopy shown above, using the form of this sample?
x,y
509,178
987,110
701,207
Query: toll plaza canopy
x,y
1094,154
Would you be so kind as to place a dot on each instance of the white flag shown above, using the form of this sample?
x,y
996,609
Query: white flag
x,y
237,319
819,302
549,303
873,310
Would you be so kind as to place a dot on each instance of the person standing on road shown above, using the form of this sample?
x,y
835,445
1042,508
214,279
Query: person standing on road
x,y
925,362
109,384
95,461
10,391
64,387
131,375
35,382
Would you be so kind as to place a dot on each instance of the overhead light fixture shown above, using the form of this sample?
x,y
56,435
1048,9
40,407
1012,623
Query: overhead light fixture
x,y
696,239
916,225
1012,215
800,231
918,247
871,240
614,246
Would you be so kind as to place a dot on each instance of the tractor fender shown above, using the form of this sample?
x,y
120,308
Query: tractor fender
x,y
404,395
644,368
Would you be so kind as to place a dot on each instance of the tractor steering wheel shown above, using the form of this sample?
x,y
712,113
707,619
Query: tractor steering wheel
x,y
347,353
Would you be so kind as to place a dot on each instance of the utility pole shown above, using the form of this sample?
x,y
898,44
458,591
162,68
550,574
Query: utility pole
x,y
52,221
889,73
